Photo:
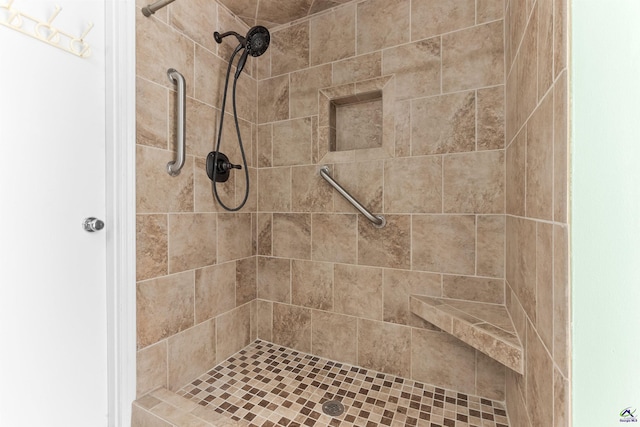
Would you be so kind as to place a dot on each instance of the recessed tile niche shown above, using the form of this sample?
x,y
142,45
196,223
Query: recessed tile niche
x,y
356,121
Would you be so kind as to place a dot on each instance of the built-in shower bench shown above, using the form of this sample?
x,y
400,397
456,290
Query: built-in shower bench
x,y
485,327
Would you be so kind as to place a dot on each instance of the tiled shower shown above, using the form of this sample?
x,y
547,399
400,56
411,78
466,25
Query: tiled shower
x,y
472,181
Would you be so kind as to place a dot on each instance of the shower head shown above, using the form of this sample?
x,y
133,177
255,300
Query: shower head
x,y
255,42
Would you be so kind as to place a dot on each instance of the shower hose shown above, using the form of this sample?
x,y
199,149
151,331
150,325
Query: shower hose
x,y
235,117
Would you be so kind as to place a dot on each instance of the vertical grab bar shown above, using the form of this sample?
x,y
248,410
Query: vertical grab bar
x,y
377,220
173,168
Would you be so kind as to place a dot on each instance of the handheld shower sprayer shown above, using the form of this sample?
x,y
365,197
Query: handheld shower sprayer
x,y
255,43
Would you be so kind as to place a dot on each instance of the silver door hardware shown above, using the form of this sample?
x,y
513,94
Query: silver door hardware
x,y
92,224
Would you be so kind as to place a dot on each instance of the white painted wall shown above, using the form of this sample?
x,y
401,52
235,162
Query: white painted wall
x,y
605,210
54,115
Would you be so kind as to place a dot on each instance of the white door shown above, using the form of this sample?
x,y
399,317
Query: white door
x,y
53,325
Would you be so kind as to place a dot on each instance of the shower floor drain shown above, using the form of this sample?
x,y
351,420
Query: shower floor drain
x,y
333,408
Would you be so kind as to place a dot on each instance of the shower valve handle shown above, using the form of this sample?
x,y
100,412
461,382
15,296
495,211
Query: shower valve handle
x,y
225,166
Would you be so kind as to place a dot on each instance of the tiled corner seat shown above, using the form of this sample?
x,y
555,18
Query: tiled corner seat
x,y
485,327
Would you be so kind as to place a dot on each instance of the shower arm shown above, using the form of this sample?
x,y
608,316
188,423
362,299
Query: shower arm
x,y
152,8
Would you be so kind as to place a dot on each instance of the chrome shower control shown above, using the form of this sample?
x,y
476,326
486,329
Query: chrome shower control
x,y
92,224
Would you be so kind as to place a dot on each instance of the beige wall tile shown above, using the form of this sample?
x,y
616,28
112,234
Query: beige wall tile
x,y
389,246
233,332
544,283
292,142
334,336
151,114
561,300
521,261
363,180
283,12
474,182
335,29
478,289
274,189
334,237
546,74
190,353
561,399
156,190
151,368
193,18
539,179
560,150
309,192
490,245
215,288
158,48
430,18
398,285
192,241
265,146
292,327
443,124
358,68
312,284
516,16
274,279
265,227
290,49
210,71
234,236
403,128
251,204
200,128
490,377
384,347
516,174
246,98
164,307
273,99
265,320
413,185
539,381
560,35
444,243
381,24
440,359
292,235
489,10
490,132
152,246
524,85
358,291
304,89
473,58
416,67
246,280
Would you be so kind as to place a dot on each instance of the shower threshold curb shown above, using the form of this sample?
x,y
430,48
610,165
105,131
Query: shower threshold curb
x,y
485,327
164,408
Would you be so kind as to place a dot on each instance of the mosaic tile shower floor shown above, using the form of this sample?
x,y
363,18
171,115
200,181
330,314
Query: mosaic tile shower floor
x,y
269,385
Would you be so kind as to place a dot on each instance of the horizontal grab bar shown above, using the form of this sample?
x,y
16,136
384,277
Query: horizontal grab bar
x,y
173,168
377,220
